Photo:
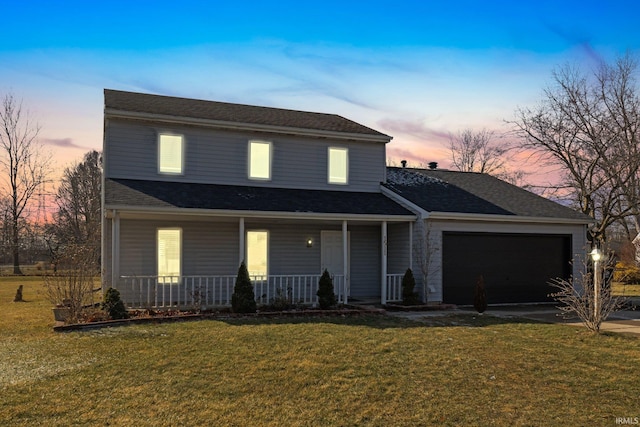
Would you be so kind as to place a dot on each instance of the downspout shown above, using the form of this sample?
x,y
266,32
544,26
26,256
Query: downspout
x,y
383,264
242,243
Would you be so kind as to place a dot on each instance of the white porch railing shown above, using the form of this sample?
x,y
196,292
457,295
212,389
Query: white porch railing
x,y
216,291
394,287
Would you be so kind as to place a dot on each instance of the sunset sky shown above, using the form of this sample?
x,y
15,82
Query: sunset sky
x,y
416,70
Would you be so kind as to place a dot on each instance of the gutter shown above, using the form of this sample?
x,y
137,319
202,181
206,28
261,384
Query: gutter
x,y
460,216
128,211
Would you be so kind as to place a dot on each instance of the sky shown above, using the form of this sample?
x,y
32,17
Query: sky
x,y
418,71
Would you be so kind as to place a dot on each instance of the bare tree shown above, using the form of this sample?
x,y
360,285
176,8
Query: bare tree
x,y
588,125
426,250
23,169
77,220
577,296
484,152
477,152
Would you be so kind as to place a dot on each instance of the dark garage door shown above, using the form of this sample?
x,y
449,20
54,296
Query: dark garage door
x,y
515,267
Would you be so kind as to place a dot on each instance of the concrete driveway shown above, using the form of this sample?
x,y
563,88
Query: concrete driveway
x,y
623,321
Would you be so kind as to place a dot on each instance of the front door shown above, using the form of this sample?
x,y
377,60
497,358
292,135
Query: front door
x,y
332,258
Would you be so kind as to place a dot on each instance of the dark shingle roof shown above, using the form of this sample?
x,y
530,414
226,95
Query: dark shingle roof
x,y
469,192
160,194
232,113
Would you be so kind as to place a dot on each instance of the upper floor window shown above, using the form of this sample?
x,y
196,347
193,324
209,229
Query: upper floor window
x,y
170,154
259,160
338,165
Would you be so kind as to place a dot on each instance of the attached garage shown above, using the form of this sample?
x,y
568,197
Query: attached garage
x,y
473,224
516,267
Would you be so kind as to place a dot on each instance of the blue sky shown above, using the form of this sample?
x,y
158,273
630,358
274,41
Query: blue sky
x,y
416,70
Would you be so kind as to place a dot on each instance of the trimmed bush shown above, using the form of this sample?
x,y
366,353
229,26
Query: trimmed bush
x,y
628,274
113,305
480,296
243,299
409,297
326,296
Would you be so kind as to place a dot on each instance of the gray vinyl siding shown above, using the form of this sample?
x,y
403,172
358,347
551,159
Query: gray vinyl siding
x,y
220,157
207,248
398,248
365,261
288,251
212,248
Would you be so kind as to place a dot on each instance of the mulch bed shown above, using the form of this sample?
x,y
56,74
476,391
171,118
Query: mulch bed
x,y
145,317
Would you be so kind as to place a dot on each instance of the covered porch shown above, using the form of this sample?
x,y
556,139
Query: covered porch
x,y
366,257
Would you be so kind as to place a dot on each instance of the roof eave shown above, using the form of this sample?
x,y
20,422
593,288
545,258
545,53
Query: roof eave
x,y
220,124
463,216
141,211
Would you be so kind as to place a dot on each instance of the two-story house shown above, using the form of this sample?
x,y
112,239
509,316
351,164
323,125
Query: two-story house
x,y
192,188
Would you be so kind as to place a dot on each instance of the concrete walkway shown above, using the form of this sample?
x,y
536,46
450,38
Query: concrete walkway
x,y
624,321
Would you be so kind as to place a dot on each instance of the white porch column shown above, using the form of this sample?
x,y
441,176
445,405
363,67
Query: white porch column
x,y
241,239
115,248
345,259
411,245
383,264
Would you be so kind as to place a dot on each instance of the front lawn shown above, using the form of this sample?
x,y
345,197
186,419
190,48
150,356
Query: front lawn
x,y
458,370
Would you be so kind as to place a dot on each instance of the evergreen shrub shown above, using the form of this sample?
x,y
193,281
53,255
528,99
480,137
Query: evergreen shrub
x,y
326,296
113,305
243,299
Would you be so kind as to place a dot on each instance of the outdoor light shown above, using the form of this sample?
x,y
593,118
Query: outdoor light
x,y
309,242
596,255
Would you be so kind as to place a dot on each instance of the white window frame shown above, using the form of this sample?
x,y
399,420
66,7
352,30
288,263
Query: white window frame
x,y
171,171
252,273
177,277
336,180
251,173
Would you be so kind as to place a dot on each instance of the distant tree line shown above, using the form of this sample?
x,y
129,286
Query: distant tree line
x,y
25,169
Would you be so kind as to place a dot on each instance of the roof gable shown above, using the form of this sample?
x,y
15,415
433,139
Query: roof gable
x,y
236,115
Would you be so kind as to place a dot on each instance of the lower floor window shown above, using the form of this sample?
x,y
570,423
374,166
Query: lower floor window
x,y
169,254
257,252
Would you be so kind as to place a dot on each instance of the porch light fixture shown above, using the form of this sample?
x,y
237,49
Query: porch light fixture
x,y
309,242
596,256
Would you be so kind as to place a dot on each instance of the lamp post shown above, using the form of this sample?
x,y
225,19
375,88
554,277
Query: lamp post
x,y
596,255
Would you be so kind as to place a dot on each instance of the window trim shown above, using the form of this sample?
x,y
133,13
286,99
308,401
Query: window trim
x,y
250,157
266,273
182,153
180,253
346,178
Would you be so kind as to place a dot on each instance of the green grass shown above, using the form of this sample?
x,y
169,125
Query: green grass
x,y
381,371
